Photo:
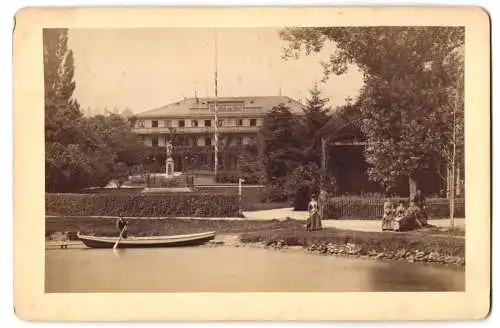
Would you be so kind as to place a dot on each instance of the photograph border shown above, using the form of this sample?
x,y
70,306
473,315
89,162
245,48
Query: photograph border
x,y
30,301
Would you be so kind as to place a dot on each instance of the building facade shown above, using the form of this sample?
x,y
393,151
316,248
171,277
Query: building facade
x,y
190,125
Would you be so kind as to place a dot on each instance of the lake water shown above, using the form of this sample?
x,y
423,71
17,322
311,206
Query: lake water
x,y
230,269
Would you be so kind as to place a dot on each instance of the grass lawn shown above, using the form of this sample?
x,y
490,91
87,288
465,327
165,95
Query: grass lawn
x,y
367,241
433,230
152,227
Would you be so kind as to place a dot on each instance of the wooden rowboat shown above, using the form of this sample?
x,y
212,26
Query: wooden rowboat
x,y
143,242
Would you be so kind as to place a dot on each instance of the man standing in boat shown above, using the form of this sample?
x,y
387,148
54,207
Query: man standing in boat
x,y
121,225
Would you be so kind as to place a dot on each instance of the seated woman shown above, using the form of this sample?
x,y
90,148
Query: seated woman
x,y
388,218
399,215
400,210
410,219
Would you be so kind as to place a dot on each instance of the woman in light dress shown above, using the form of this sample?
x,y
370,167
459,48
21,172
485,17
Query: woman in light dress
x,y
314,221
399,215
388,216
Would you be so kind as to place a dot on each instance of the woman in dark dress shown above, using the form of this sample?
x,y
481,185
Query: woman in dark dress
x,y
419,201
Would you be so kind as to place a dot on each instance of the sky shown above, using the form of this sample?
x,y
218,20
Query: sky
x,y
143,69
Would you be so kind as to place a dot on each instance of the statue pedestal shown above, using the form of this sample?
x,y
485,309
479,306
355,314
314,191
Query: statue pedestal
x,y
170,167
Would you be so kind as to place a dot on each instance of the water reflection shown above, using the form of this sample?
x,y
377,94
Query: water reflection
x,y
402,276
226,269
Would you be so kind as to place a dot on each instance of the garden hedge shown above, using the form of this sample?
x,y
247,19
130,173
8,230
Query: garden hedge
x,y
153,205
363,208
234,176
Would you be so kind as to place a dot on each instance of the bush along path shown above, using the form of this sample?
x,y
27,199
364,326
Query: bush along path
x,y
411,247
143,205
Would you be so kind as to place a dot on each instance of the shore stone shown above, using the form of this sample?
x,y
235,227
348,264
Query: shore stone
x,y
401,253
350,249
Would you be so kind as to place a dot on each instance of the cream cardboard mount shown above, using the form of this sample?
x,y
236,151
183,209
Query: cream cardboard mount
x,y
32,260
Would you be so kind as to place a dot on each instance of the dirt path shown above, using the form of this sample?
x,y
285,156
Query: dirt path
x,y
284,213
359,225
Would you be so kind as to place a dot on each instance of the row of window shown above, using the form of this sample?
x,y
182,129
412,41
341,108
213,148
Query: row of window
x,y
238,107
185,141
194,123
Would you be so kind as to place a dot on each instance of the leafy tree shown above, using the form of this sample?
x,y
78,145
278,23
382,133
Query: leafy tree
x,y
281,143
114,131
66,165
249,162
316,117
301,183
117,148
127,112
79,152
282,149
405,103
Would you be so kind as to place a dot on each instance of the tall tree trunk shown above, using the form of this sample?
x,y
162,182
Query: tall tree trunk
x,y
449,183
412,184
452,196
454,155
452,189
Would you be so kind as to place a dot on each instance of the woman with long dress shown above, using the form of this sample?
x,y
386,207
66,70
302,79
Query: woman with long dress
x,y
399,215
388,216
314,221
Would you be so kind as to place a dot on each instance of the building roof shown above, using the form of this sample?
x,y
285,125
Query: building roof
x,y
196,106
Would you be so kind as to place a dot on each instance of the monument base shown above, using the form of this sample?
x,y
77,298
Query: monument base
x,y
169,169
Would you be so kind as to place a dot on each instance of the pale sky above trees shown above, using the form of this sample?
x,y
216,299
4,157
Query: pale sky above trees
x,y
147,68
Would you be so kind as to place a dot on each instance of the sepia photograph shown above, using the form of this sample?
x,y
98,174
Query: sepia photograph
x,y
257,159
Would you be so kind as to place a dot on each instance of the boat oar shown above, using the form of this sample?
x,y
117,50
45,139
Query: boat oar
x,y
120,237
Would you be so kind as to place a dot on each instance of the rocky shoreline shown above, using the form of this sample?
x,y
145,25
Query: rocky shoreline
x,y
349,250
330,249
423,247
402,254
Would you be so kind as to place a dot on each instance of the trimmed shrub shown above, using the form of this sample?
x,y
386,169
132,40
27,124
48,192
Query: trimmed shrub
x,y
234,176
274,192
302,198
301,183
372,208
153,205
137,179
135,190
227,177
164,182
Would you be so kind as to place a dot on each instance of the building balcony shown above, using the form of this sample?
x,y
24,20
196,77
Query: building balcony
x,y
197,130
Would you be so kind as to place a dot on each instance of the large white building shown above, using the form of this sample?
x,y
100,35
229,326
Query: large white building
x,y
192,122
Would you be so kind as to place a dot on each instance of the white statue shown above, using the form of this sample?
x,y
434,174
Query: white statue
x,y
169,149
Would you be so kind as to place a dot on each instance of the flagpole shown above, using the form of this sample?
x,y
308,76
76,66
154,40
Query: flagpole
x,y
216,136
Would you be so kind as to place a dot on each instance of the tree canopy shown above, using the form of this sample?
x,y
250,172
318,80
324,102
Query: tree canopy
x,y
317,115
66,165
282,143
408,97
79,152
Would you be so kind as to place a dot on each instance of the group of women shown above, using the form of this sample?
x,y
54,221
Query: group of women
x,y
401,217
